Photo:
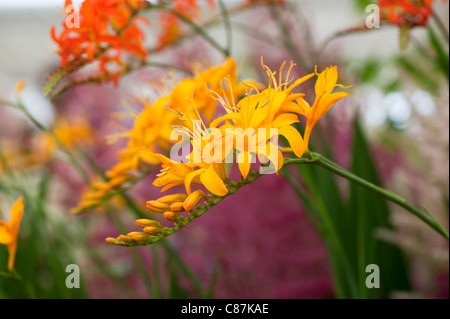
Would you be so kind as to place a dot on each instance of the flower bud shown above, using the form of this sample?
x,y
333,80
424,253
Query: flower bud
x,y
111,240
148,223
193,200
170,216
157,206
177,207
169,199
152,230
138,236
125,239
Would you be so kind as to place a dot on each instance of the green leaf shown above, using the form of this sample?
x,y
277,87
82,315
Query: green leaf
x,y
325,196
369,213
442,59
175,290
424,78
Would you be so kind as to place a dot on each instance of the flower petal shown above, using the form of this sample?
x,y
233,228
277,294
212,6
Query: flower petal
x,y
190,177
294,138
211,180
244,163
16,217
5,237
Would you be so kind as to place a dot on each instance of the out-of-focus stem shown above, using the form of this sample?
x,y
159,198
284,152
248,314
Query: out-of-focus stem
x,y
196,28
226,21
441,27
209,23
287,40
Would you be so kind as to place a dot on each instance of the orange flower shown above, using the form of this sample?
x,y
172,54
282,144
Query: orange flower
x,y
407,13
107,30
9,231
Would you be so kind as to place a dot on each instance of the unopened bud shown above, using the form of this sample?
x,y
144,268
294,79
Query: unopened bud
x,y
170,216
138,236
193,200
157,206
148,223
111,240
177,207
125,239
152,230
169,199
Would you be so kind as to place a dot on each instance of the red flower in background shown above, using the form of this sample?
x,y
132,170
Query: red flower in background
x,y
407,13
107,30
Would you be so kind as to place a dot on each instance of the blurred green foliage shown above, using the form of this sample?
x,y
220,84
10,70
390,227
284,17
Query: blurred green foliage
x,y
349,225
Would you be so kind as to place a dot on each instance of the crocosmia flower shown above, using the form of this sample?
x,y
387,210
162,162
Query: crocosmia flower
x,y
106,30
406,13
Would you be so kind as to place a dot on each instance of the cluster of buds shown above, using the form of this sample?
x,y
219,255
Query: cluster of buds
x,y
171,207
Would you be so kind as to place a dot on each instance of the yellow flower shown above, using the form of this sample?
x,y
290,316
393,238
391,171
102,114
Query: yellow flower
x,y
70,133
325,84
276,107
152,128
272,108
9,231
172,173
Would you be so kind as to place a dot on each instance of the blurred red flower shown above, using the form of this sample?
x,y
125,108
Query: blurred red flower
x,y
407,13
107,30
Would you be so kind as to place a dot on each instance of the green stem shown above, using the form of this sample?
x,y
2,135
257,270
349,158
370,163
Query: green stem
x,y
194,214
197,29
441,26
324,162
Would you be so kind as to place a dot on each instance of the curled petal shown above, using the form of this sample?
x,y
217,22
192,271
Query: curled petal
x,y
294,138
211,180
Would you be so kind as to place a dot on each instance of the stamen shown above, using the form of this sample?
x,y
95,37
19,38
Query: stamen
x,y
281,73
344,87
251,85
231,92
196,111
113,138
224,93
292,64
217,97
315,70
161,174
182,130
